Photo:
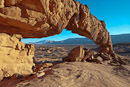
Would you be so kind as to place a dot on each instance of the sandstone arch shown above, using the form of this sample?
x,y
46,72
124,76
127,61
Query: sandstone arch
x,y
43,18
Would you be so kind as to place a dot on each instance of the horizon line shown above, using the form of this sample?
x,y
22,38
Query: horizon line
x,y
70,38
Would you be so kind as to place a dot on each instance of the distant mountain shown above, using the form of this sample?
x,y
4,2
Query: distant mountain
x,y
123,38
68,41
44,42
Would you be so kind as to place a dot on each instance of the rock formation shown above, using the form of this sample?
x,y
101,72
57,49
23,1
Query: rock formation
x,y
43,18
76,55
81,54
15,57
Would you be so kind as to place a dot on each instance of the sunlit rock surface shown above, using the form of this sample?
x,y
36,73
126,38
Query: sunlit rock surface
x,y
15,56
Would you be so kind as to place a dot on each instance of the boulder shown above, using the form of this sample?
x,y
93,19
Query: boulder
x,y
15,56
76,55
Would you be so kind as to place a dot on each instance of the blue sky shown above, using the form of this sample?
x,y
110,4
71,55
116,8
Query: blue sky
x,y
116,14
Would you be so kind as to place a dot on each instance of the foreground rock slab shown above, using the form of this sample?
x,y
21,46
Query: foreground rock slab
x,y
39,71
79,74
15,56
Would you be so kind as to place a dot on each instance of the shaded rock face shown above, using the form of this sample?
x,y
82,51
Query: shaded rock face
x,y
43,18
15,57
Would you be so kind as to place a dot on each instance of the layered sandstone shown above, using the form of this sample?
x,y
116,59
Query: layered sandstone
x,y
15,56
43,18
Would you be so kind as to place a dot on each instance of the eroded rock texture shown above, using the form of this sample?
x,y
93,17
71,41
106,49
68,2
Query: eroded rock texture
x,y
43,18
15,57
